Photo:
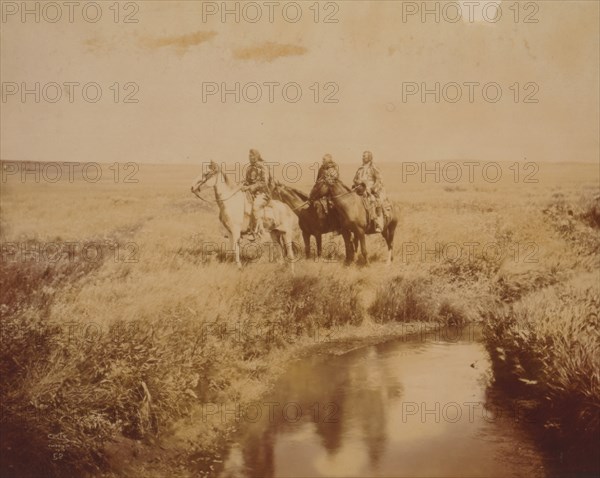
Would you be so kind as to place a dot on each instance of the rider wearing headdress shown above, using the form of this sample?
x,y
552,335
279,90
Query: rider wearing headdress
x,y
369,177
257,183
328,172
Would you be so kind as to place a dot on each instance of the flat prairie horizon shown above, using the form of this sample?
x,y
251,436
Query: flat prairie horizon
x,y
402,179
303,162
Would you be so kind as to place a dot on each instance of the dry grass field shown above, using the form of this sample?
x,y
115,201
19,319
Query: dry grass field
x,y
118,317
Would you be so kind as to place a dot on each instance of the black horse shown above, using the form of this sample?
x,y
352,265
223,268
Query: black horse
x,y
354,219
310,221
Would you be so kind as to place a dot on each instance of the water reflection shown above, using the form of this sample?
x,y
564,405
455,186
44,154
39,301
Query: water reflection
x,y
418,408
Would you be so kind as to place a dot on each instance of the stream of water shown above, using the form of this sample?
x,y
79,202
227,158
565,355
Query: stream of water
x,y
422,406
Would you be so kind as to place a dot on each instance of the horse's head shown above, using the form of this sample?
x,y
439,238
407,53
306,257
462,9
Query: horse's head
x,y
207,180
333,188
360,189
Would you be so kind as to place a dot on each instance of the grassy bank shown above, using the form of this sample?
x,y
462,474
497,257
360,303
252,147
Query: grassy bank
x,y
544,339
127,345
95,376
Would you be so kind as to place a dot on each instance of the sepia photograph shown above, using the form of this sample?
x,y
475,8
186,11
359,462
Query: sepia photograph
x,y
300,239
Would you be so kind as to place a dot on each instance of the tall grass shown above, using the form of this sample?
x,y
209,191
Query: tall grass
x,y
136,375
404,299
96,351
37,377
547,347
544,338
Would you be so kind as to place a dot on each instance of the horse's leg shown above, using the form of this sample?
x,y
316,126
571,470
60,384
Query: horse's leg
x,y
363,247
319,239
355,242
389,239
289,246
235,239
276,238
347,235
385,234
306,238
282,244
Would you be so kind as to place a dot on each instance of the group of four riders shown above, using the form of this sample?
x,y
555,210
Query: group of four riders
x,y
367,180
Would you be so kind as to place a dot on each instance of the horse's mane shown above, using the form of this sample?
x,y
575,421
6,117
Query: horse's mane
x,y
226,177
344,186
293,191
298,193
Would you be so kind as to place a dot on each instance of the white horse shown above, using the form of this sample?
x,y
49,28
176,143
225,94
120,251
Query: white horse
x,y
235,208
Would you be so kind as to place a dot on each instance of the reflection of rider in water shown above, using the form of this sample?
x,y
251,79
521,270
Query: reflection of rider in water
x,y
369,176
257,180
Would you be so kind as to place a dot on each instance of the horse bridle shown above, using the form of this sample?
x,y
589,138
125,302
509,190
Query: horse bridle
x,y
208,176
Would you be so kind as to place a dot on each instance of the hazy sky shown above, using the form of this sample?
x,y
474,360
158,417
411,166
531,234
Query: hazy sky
x,y
367,59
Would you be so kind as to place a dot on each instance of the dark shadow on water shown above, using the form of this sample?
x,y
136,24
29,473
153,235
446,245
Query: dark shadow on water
x,y
562,458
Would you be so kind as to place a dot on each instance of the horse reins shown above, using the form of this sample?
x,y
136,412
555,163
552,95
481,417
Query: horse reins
x,y
219,199
352,189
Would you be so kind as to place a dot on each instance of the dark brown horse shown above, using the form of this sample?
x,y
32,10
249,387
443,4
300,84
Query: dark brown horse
x,y
310,222
354,219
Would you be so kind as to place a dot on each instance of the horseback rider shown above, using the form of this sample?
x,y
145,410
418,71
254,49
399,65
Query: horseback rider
x,y
257,183
328,172
368,177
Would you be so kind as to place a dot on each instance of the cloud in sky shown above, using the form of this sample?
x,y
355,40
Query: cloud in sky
x,y
97,45
181,43
269,51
